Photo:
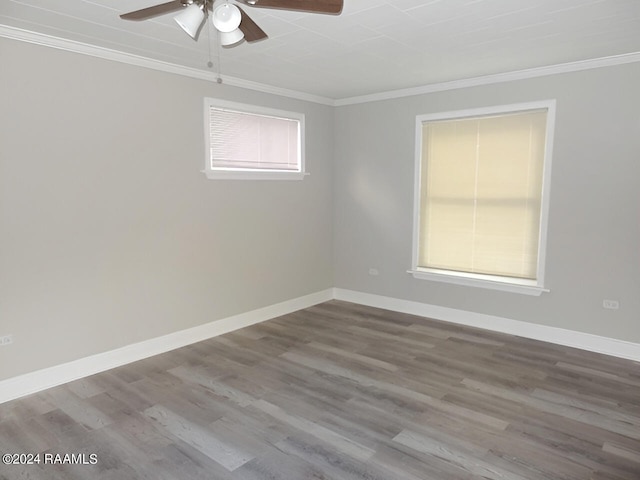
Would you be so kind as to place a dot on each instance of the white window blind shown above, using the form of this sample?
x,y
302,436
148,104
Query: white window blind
x,y
481,186
253,142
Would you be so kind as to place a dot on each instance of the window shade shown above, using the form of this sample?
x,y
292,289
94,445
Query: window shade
x,y
247,141
481,191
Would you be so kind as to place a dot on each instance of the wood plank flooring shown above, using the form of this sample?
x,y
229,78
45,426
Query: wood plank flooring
x,y
341,391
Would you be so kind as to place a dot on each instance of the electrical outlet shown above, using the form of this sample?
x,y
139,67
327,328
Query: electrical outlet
x,y
610,304
6,340
374,272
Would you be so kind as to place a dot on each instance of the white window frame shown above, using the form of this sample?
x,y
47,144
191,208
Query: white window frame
x,y
252,174
515,285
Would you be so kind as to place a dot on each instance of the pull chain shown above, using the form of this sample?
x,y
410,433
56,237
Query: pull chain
x,y
219,79
209,39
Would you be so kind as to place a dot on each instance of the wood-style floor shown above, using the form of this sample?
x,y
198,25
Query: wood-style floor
x,y
341,391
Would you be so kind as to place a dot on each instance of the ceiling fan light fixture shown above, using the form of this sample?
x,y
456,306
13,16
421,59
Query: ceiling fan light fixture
x,y
228,39
190,19
226,17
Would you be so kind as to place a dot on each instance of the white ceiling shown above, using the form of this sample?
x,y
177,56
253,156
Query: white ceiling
x,y
373,46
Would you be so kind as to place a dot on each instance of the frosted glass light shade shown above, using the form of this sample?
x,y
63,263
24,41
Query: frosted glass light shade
x,y
231,38
190,20
226,17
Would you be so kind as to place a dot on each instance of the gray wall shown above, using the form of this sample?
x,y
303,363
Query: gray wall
x,y
109,232
110,235
593,248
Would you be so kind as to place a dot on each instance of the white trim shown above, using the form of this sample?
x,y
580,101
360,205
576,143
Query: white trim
x,y
559,336
512,285
253,175
546,190
140,61
39,380
494,282
33,382
109,54
493,79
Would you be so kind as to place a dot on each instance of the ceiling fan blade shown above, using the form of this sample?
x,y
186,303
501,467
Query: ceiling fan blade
x,y
315,6
154,11
252,32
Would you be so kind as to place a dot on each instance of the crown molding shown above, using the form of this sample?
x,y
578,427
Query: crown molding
x,y
140,61
496,78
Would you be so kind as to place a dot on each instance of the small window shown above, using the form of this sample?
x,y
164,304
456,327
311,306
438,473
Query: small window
x,y
482,187
250,142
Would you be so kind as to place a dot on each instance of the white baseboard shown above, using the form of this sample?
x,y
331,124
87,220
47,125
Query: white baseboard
x,y
39,380
33,382
560,336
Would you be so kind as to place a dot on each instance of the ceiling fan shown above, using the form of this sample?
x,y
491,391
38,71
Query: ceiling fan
x,y
231,21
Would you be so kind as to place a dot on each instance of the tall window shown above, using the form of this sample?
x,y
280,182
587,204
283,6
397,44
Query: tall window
x,y
481,196
249,142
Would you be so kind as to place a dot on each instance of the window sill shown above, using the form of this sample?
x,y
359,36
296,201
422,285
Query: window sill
x,y
253,175
505,284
